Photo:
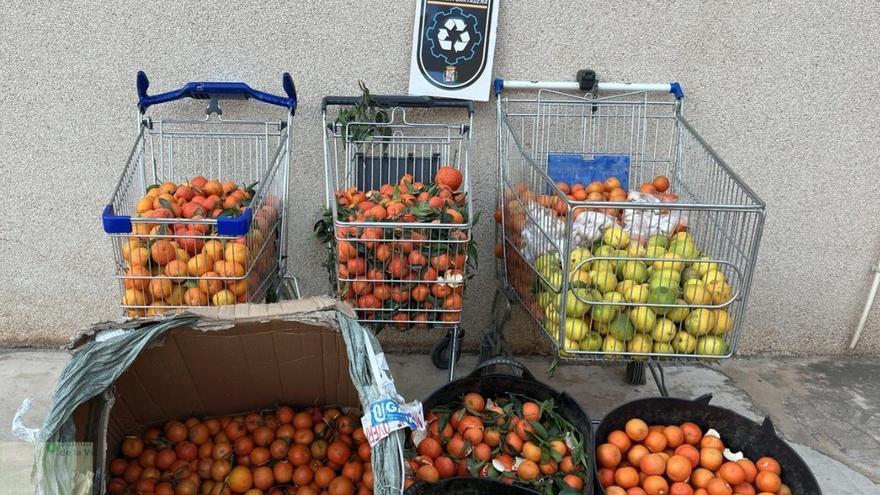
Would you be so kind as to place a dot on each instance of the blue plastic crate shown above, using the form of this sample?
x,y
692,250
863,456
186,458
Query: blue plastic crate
x,y
573,168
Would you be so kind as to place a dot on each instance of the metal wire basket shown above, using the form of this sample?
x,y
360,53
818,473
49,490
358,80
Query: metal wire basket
x,y
406,272
630,278
212,254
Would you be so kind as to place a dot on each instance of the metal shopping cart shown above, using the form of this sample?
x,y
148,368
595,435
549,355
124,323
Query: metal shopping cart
x,y
641,275
405,268
198,217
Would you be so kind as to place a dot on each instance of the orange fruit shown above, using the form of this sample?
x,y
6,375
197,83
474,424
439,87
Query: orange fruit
x,y
430,447
655,441
620,439
655,485
428,473
449,177
768,464
678,468
712,442
660,183
700,477
527,470
531,452
134,297
674,436
194,297
749,469
240,479
611,183
692,433
139,256
474,402
732,473
635,454
768,481
637,430
214,249
652,464
213,188
199,265
236,252
717,486
163,251
608,455
531,411
136,283
161,288
176,296
209,286
239,288
229,269
711,459
176,268
576,482
690,452
626,477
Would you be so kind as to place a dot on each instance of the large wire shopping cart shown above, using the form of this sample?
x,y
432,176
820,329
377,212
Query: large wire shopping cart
x,y
198,216
645,276
406,265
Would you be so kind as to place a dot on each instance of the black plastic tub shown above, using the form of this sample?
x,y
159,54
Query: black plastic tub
x,y
466,486
491,383
738,433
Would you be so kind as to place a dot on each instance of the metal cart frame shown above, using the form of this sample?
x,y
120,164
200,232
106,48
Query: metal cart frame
x,y
643,122
365,155
255,152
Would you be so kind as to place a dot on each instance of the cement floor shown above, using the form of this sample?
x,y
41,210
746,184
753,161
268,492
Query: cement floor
x,y
828,409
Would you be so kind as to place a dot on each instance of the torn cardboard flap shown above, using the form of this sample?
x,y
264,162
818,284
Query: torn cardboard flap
x,y
317,309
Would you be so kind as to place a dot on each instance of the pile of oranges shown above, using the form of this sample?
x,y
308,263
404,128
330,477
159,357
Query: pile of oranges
x,y
283,453
680,460
513,440
170,264
408,276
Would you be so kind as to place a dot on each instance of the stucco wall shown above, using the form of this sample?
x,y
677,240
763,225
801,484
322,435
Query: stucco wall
x,y
785,91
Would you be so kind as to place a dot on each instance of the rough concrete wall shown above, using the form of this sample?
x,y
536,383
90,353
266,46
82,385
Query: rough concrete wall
x,y
785,91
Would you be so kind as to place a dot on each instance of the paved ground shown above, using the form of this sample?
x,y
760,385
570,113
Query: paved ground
x,y
829,409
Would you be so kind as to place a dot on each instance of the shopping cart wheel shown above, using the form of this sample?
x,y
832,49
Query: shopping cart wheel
x,y
440,351
635,373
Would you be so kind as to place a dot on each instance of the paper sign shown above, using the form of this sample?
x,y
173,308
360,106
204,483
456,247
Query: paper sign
x,y
387,415
453,48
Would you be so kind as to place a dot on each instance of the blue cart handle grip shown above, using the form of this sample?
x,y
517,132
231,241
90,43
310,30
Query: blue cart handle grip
x,y
220,90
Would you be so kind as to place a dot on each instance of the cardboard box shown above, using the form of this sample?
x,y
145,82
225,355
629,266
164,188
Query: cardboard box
x,y
230,360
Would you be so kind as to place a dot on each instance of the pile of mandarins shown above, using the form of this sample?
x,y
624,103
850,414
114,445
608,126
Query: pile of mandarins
x,y
410,276
282,453
187,264
510,440
680,460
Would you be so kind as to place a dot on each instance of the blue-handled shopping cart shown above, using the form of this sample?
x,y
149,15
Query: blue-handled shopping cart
x,y
198,217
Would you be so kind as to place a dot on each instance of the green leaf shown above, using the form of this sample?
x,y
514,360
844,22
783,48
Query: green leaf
x,y
151,187
166,204
539,429
191,283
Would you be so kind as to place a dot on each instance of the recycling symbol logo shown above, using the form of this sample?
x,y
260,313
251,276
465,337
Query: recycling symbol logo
x,y
453,36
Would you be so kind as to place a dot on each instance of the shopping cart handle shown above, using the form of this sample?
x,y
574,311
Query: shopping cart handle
x,y
400,101
508,84
220,90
